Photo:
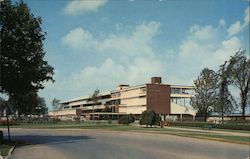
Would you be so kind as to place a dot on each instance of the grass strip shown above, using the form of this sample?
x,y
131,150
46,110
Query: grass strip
x,y
5,147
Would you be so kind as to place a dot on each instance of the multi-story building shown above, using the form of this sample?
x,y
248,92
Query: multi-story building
x,y
168,100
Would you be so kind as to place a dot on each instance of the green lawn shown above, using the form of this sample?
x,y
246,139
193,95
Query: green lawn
x,y
5,147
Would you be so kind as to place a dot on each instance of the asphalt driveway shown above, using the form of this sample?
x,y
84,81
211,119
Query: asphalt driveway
x,y
98,144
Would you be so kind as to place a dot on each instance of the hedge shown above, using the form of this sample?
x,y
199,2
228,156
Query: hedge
x,y
245,127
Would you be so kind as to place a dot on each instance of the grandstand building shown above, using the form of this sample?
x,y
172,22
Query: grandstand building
x,y
170,101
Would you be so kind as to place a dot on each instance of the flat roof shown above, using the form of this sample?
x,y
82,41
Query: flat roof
x,y
107,113
83,98
181,86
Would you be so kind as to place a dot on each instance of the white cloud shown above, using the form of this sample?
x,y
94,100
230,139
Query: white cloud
x,y
78,38
234,28
128,55
109,74
199,41
131,44
246,18
228,48
202,33
222,23
238,26
204,46
76,7
134,43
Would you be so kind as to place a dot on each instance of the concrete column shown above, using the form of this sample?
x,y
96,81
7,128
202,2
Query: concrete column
x,y
193,117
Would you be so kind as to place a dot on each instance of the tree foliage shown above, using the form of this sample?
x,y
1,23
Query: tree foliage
x,y
239,67
149,117
3,105
212,89
56,104
205,92
23,68
126,119
41,108
225,103
29,103
95,98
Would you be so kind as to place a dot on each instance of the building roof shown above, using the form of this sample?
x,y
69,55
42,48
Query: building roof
x,y
182,86
84,98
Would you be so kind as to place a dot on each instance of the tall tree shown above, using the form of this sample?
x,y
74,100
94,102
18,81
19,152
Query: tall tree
x,y
206,91
3,105
23,68
95,98
41,108
239,67
56,104
225,103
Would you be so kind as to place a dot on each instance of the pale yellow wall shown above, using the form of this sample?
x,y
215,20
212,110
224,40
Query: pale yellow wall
x,y
63,112
181,95
132,93
133,101
178,109
132,109
130,101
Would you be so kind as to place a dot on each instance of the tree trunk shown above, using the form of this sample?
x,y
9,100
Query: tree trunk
x,y
243,105
205,117
222,102
222,114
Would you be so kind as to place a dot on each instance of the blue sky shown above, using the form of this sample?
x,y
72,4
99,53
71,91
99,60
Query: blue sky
x,y
103,43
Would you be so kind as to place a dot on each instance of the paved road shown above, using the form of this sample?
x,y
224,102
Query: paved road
x,y
97,144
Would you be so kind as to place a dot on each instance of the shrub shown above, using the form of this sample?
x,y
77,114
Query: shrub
x,y
126,119
149,117
235,126
77,119
11,122
109,121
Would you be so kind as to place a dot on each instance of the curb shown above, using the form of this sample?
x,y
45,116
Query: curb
x,y
9,153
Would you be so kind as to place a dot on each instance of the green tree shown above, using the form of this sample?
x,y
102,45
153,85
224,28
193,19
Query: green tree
x,y
95,99
126,119
41,108
30,103
3,105
225,103
239,67
23,68
56,104
149,117
205,92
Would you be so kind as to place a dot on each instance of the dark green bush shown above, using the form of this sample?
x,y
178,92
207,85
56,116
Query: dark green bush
x,y
126,119
216,126
149,117
233,126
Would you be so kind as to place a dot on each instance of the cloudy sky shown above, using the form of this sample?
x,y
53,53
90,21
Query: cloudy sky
x,y
102,43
